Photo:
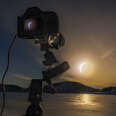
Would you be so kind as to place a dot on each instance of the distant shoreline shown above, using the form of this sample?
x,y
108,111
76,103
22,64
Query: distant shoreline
x,y
62,93
65,88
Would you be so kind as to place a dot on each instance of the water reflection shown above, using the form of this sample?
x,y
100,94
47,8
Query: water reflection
x,y
85,99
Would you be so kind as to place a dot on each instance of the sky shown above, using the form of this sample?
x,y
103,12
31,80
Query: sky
x,y
89,28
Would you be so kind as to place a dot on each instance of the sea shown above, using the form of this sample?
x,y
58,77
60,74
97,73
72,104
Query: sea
x,y
63,104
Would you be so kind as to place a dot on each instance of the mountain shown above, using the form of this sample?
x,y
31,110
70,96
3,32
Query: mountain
x,y
109,90
65,87
71,87
13,88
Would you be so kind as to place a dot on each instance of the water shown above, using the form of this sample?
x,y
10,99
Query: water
x,y
64,104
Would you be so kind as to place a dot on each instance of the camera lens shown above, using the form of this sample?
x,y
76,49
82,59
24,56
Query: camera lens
x,y
30,25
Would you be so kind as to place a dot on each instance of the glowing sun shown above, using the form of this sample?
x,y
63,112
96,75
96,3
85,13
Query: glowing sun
x,y
85,68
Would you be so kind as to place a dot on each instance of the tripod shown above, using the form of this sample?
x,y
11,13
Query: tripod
x,y
35,89
35,97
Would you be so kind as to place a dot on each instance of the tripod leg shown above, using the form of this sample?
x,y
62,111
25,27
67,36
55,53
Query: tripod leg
x,y
33,110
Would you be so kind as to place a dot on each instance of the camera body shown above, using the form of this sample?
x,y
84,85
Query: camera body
x,y
42,26
35,23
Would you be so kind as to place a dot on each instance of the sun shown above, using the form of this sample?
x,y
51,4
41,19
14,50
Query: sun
x,y
85,68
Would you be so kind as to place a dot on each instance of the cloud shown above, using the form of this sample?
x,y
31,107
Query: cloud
x,y
107,53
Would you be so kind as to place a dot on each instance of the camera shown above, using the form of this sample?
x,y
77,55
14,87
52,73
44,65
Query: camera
x,y
42,26
35,23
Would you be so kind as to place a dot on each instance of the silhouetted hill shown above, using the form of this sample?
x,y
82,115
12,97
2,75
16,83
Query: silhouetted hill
x,y
71,87
13,88
65,87
109,90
